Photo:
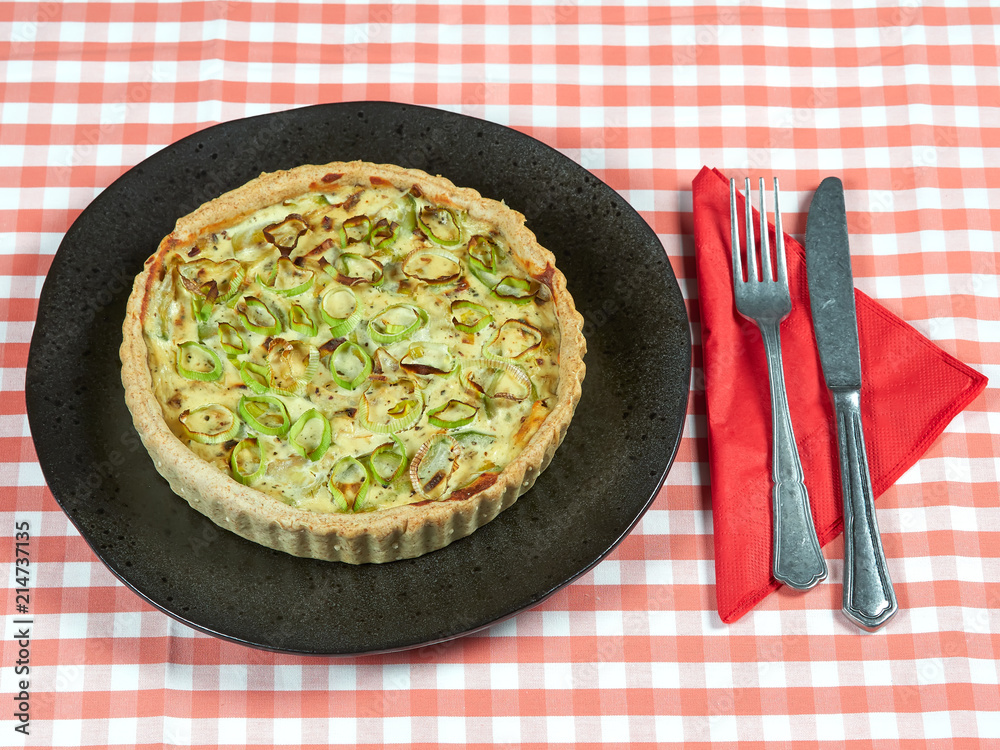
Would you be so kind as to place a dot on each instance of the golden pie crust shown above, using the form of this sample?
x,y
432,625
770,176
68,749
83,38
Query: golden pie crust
x,y
393,533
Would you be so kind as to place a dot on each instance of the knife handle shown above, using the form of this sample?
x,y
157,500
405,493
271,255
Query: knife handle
x,y
797,559
869,599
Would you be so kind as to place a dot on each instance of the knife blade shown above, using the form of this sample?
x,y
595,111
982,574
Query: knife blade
x,y
831,286
869,599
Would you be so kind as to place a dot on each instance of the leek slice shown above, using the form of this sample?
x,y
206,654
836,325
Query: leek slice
x,y
231,341
396,322
287,279
513,340
214,422
452,415
434,267
432,467
257,317
355,230
349,484
468,317
340,309
322,444
240,475
255,377
484,259
354,269
235,285
513,289
384,456
212,282
403,413
428,358
484,255
440,224
291,365
384,234
187,354
260,413
289,229
492,384
301,322
359,361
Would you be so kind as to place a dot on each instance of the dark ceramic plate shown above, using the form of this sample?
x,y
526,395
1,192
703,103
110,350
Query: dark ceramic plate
x,y
615,456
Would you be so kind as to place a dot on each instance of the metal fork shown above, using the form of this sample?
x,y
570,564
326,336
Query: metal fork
x,y
797,561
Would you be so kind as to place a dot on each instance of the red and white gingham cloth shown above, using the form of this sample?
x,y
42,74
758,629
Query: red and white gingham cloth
x,y
904,101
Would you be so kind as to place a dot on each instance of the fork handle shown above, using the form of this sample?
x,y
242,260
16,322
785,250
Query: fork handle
x,y
869,599
798,561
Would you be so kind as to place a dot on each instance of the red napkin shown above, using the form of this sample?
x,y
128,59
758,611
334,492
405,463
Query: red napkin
x,y
911,390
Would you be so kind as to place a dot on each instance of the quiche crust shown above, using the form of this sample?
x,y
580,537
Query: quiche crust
x,y
385,535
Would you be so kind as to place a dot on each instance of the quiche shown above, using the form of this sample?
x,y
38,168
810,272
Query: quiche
x,y
351,361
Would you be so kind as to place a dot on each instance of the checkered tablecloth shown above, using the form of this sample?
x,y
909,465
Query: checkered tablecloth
x,y
901,101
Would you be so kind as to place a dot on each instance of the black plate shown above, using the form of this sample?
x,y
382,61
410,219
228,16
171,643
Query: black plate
x,y
614,459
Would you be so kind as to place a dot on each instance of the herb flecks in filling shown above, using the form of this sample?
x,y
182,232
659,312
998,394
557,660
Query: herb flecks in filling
x,y
354,349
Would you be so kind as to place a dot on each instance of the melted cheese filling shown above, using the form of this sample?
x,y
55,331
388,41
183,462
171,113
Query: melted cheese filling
x,y
390,267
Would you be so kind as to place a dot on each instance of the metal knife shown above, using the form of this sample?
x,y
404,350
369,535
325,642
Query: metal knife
x,y
869,599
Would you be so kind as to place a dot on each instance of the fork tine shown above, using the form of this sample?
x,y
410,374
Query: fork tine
x,y
765,246
735,234
751,246
779,240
